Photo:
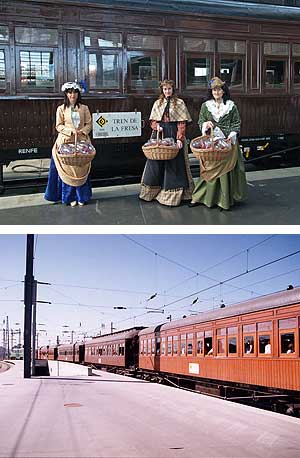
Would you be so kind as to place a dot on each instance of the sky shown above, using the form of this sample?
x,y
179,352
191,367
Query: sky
x,y
89,275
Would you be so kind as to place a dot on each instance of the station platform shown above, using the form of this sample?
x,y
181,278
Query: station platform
x,y
273,199
112,416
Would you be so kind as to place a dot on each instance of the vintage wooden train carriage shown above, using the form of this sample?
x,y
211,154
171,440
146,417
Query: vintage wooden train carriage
x,y
66,352
253,343
120,50
119,349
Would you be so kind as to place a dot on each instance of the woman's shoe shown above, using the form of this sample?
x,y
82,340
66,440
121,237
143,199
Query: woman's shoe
x,y
74,203
193,204
81,204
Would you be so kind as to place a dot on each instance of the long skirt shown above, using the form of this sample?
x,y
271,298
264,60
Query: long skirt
x,y
223,191
170,181
58,191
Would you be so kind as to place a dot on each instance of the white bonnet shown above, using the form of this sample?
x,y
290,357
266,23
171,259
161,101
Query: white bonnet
x,y
70,85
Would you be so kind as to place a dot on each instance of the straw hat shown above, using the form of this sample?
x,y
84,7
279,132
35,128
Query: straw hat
x,y
215,82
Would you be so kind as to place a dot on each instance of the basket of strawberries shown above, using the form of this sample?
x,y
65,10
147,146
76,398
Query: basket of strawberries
x,y
163,149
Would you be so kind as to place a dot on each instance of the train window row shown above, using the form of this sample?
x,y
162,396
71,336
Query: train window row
x,y
106,350
117,62
257,340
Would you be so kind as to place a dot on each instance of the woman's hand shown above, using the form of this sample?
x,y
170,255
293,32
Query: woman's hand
x,y
179,144
159,128
209,125
206,126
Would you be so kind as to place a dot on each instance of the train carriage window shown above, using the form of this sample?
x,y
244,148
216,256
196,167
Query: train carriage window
x,y
221,341
102,39
264,326
287,330
190,338
144,42
149,347
296,64
4,33
197,61
144,70
169,340
36,36
275,67
141,347
208,343
276,49
264,344
103,70
200,343
297,73
232,345
249,331
221,346
197,71
153,346
183,344
287,343
175,345
232,340
157,350
36,70
144,61
248,345
2,70
232,62
231,70
163,345
287,323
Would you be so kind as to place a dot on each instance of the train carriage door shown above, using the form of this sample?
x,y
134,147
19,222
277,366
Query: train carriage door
x,y
81,353
158,349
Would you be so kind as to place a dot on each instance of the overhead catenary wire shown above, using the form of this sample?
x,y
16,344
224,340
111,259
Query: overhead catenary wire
x,y
222,282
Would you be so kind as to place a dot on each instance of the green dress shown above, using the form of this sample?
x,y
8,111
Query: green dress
x,y
231,186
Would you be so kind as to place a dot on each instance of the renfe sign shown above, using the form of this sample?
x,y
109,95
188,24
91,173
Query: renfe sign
x,y
125,124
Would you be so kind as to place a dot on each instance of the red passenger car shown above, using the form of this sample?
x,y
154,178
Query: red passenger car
x,y
66,352
119,349
249,344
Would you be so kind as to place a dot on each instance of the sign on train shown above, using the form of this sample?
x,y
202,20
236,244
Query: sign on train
x,y
124,124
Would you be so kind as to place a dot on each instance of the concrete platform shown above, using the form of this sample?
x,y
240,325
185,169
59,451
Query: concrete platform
x,y
273,199
111,416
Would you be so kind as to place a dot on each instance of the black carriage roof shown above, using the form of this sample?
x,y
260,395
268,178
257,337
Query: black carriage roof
x,y
280,299
215,7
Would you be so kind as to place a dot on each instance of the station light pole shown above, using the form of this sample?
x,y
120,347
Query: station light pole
x,y
28,299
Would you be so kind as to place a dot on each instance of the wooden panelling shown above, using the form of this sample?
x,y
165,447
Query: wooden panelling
x,y
71,46
95,16
272,373
212,26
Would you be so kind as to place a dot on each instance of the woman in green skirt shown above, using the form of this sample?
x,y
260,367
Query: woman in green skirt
x,y
221,182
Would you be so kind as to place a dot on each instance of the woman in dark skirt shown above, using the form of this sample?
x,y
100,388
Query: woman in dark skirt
x,y
170,181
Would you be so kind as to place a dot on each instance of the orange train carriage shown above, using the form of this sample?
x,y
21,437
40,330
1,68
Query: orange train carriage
x,y
253,343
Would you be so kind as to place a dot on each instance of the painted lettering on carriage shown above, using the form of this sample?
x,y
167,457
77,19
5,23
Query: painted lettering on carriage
x,y
27,151
117,124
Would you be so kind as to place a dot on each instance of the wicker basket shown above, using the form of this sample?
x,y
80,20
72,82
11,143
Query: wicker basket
x,y
73,156
160,152
211,154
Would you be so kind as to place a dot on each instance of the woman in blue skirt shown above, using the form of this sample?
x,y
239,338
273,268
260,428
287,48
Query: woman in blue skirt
x,y
70,184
